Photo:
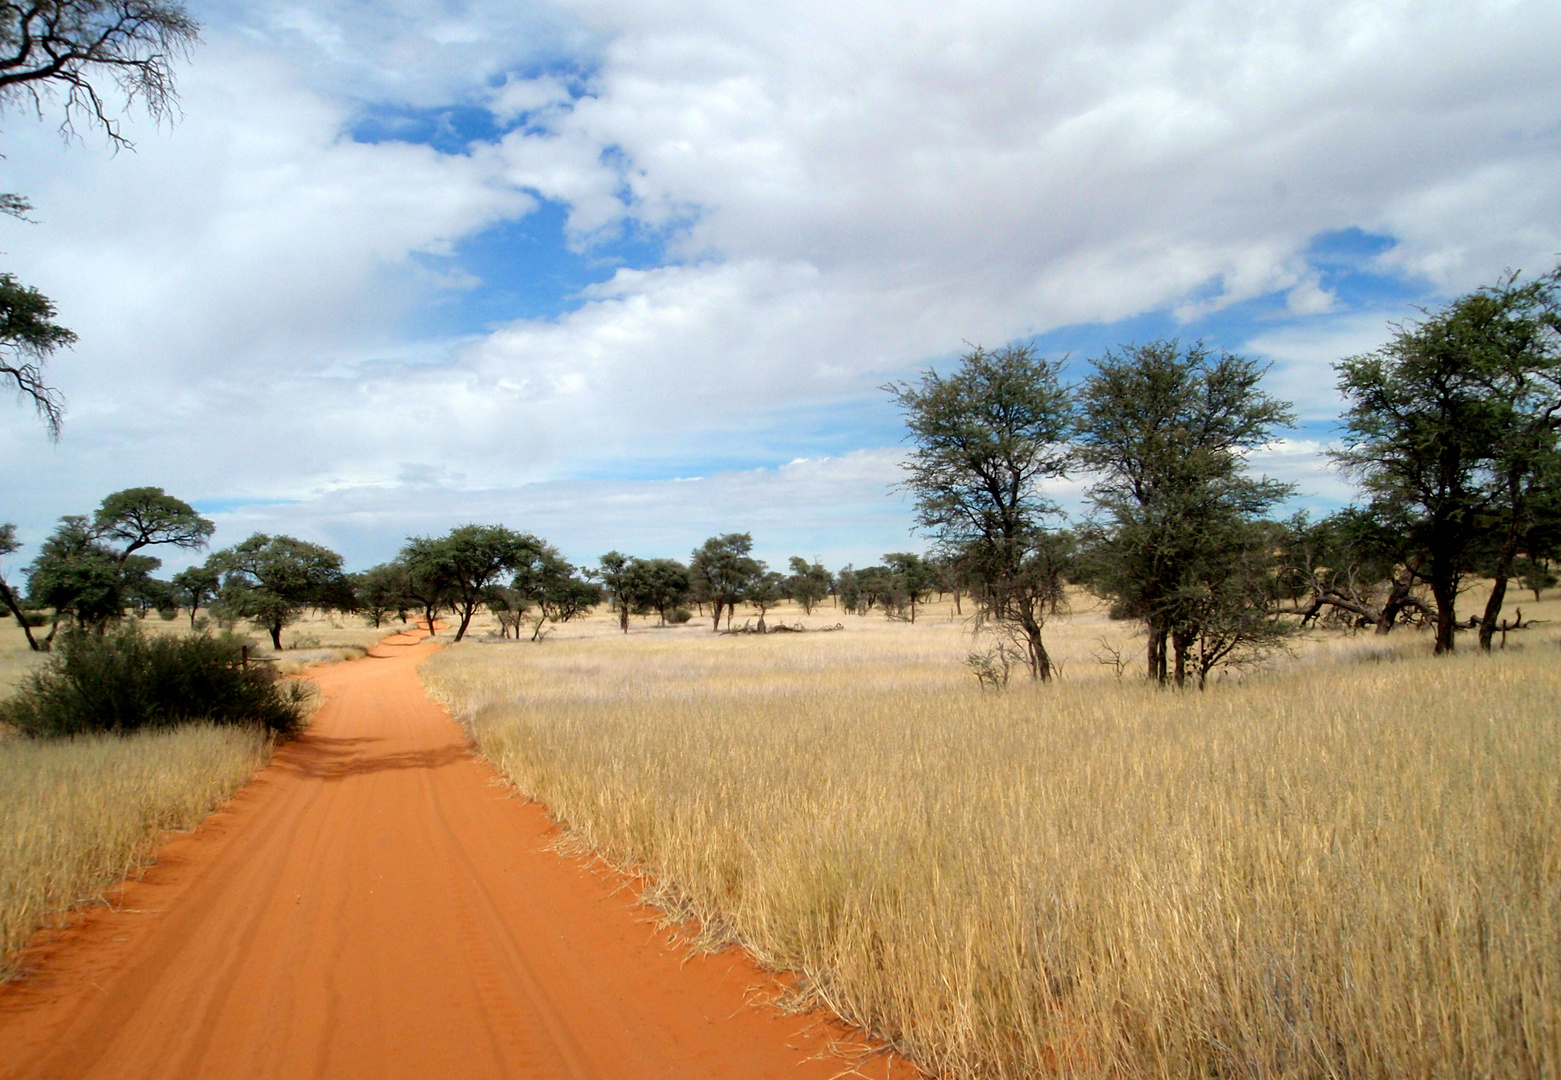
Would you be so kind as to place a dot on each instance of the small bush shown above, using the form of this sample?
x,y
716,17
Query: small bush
x,y
127,682
680,616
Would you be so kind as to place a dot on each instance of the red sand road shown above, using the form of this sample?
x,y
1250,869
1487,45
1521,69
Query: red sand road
x,y
374,905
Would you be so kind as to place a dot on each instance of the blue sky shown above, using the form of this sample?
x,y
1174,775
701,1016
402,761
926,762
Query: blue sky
x,y
629,274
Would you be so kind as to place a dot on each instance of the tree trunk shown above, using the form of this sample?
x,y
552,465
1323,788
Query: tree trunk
x,y
1445,590
1391,607
623,616
1398,596
716,625
1156,654
1504,559
276,636
16,613
1040,659
1179,642
466,620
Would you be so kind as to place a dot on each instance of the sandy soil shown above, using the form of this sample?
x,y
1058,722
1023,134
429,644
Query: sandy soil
x,y
375,905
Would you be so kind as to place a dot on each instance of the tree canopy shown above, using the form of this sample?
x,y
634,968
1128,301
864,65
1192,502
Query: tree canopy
x,y
1164,428
270,580
1451,429
985,440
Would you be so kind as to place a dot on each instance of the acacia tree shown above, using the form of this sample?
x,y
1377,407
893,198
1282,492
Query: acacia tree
x,y
623,580
463,565
89,570
144,516
764,592
382,590
667,588
986,439
913,578
270,580
1451,431
196,585
809,583
82,578
722,570
550,583
1165,429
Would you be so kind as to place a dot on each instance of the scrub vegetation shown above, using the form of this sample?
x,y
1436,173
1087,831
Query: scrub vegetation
x,y
1346,864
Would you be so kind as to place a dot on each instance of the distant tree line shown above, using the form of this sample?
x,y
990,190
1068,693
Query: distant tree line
x,y
92,572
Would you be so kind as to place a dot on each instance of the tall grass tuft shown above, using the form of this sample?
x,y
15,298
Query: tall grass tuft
x,y
1329,871
78,815
127,681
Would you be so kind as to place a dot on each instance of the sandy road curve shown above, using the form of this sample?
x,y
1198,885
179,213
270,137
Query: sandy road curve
x,y
373,905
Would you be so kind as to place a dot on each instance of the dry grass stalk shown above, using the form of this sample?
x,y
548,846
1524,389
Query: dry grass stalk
x,y
79,815
1334,869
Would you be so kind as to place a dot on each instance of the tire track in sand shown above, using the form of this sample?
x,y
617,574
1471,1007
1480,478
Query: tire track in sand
x,y
374,904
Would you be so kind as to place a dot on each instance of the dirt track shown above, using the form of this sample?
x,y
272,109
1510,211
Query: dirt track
x,y
373,905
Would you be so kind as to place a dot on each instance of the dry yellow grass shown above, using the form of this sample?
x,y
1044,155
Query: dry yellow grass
x,y
1337,868
79,815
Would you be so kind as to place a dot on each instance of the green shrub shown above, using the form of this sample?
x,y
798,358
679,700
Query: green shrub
x,y
126,681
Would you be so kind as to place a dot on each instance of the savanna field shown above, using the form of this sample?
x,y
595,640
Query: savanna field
x,y
1347,863
1344,863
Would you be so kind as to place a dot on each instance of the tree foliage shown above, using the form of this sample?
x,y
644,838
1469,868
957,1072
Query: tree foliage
x,y
89,570
66,49
808,583
13,602
195,586
382,590
636,586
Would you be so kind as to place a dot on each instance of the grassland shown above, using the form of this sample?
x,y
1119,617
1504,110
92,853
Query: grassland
x,y
1346,864
79,815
